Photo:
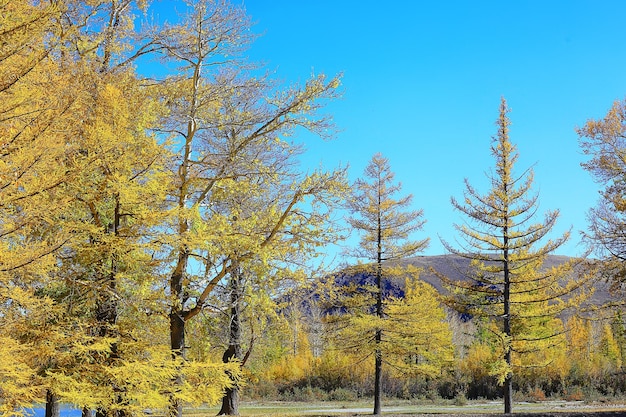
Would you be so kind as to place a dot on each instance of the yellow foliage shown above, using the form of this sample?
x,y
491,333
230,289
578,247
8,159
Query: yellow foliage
x,y
477,362
293,367
416,337
609,347
18,385
419,340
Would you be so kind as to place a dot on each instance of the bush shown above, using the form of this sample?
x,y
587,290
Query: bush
x,y
451,388
536,394
573,394
460,400
342,394
305,394
260,389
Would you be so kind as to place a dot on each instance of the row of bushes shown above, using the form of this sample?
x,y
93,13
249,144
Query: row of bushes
x,y
450,387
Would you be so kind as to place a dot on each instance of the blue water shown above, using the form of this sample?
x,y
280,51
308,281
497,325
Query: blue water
x,y
66,411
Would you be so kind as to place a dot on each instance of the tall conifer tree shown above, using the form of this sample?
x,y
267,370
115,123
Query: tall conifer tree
x,y
507,249
385,236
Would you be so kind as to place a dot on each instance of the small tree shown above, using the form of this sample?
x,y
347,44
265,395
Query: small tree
x,y
506,282
385,237
419,336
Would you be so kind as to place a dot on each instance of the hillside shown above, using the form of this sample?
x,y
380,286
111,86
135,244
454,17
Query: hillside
x,y
455,268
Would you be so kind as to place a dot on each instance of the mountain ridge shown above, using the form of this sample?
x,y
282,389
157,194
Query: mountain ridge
x,y
456,268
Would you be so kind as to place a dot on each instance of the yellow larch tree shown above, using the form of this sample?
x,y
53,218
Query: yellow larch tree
x,y
34,126
603,140
419,340
386,225
225,124
507,248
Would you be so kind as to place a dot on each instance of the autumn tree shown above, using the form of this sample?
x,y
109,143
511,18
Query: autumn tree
x,y
225,124
33,128
95,207
386,232
260,184
419,339
82,196
116,163
603,140
116,205
507,249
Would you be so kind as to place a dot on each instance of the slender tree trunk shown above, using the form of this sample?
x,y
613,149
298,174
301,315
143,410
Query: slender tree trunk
x,y
378,365
230,401
177,344
107,313
52,404
177,309
508,382
177,328
378,377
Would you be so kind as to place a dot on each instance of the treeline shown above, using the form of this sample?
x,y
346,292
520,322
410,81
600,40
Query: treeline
x,y
585,365
155,232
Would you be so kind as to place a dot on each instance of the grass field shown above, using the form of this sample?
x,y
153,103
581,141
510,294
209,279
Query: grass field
x,y
471,407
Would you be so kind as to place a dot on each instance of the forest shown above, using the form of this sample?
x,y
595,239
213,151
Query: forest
x,y
161,247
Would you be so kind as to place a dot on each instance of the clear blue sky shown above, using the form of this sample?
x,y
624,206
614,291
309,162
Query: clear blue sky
x,y
423,80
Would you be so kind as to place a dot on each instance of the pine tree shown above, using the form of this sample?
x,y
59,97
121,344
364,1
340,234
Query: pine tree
x,y
507,250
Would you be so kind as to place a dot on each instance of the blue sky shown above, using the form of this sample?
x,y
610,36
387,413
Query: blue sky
x,y
422,83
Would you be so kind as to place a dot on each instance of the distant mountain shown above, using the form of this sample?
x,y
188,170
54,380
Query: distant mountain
x,y
454,267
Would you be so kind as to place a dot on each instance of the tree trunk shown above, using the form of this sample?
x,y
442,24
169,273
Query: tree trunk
x,y
378,366
230,401
107,313
177,322
508,382
177,344
378,378
52,405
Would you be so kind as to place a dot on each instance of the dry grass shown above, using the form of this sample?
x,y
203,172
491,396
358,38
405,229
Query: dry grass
x,y
442,409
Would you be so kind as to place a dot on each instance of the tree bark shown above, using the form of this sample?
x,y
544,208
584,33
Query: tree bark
x,y
378,366
230,401
177,344
107,313
52,404
178,320
508,382
378,377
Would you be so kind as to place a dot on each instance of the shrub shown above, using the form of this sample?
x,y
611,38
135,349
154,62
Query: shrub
x,y
342,394
306,394
536,394
573,394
